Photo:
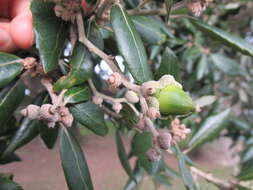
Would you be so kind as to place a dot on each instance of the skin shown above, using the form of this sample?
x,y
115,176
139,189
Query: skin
x,y
15,25
16,30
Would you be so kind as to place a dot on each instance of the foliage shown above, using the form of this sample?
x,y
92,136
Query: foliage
x,y
208,57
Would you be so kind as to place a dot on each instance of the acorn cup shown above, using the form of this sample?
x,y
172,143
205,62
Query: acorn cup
x,y
173,100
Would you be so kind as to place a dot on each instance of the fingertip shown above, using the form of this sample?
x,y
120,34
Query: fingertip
x,y
6,42
22,30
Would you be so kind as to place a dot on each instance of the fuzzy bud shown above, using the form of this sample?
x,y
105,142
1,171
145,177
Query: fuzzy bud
x,y
166,80
29,62
164,140
117,107
31,111
67,120
132,97
153,102
179,131
198,6
153,154
46,113
114,80
150,88
97,100
153,113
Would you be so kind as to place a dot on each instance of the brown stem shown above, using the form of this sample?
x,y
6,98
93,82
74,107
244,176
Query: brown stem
x,y
91,46
224,185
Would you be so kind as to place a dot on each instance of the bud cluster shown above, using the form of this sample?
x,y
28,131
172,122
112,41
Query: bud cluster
x,y
198,6
51,113
48,113
178,130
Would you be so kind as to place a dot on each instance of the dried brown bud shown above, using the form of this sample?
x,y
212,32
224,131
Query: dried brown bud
x,y
150,88
153,154
114,80
31,111
117,107
164,140
153,113
29,62
97,100
132,97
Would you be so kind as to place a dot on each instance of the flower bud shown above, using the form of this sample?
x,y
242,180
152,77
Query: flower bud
x,y
117,107
153,113
67,120
174,101
153,102
114,80
31,111
150,88
153,154
132,97
164,140
46,113
97,100
166,80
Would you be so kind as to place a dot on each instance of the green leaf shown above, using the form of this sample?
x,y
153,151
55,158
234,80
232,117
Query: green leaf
x,y
154,167
11,101
141,143
169,65
77,94
225,37
48,135
242,187
226,65
138,176
74,163
81,69
162,179
27,131
130,45
123,155
205,101
184,170
248,154
10,67
246,172
90,115
202,67
51,33
210,129
9,158
149,30
95,36
7,184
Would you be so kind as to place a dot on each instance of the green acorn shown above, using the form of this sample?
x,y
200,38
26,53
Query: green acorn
x,y
173,100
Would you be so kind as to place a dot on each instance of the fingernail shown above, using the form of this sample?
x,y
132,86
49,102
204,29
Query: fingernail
x,y
4,37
